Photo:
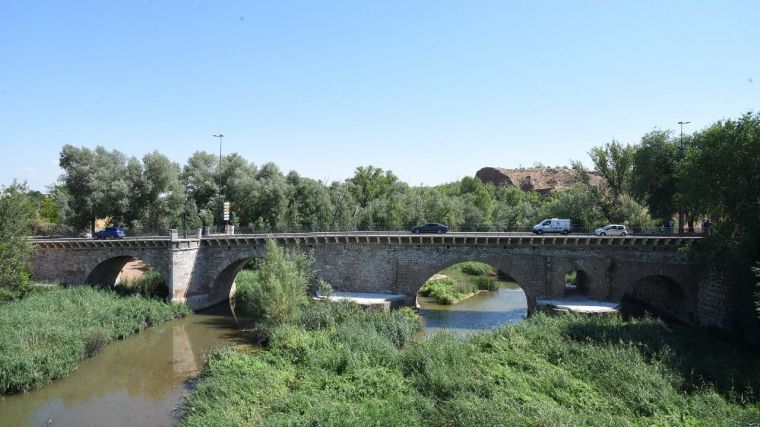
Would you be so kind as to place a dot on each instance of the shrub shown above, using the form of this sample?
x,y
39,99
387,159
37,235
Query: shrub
x,y
276,293
487,283
444,290
475,268
150,284
16,212
94,342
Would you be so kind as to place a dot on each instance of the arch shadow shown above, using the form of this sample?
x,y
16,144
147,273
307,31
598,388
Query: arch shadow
x,y
657,295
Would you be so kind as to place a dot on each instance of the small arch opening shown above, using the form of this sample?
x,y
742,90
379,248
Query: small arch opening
x,y
470,296
129,275
576,284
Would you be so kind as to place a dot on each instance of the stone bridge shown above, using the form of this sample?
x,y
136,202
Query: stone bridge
x,y
201,271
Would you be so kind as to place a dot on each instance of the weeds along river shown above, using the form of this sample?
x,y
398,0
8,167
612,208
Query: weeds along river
x,y
141,380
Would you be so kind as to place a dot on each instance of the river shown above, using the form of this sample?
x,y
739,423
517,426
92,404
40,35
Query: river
x,y
140,381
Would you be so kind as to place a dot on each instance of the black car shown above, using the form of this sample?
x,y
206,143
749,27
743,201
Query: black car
x,y
431,227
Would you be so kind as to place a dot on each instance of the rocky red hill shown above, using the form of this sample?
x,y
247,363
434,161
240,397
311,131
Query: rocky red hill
x,y
542,180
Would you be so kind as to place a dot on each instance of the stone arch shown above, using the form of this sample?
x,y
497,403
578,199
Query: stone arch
x,y
224,282
581,286
504,264
659,295
107,269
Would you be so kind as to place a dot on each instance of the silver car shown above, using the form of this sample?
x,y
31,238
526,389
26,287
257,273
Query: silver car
x,y
612,230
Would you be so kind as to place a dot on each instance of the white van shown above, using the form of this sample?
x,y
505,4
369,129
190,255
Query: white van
x,y
552,225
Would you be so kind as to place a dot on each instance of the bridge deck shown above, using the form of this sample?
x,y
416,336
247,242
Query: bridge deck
x,y
665,243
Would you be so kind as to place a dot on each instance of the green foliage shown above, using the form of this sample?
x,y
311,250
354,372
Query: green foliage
x,y
16,211
444,290
475,268
369,183
566,370
150,284
276,292
44,336
486,283
96,183
614,162
571,278
580,203
654,178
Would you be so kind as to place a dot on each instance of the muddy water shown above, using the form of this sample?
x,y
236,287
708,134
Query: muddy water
x,y
134,382
485,310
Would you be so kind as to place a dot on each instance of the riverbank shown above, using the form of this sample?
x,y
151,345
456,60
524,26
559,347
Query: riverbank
x,y
340,366
44,335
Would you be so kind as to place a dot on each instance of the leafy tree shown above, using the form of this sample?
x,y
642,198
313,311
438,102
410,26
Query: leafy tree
x,y
201,172
96,183
721,175
310,208
614,162
16,211
369,183
654,177
580,203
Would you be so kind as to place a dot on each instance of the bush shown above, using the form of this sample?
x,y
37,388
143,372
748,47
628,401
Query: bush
x,y
564,370
487,283
444,290
276,292
150,284
476,268
16,212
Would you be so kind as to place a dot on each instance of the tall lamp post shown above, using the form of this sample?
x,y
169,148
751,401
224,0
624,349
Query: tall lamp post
x,y
221,214
682,208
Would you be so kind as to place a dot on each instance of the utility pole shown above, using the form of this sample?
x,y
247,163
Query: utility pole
x,y
682,208
219,193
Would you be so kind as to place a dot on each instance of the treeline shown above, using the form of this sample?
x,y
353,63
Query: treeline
x,y
707,174
155,194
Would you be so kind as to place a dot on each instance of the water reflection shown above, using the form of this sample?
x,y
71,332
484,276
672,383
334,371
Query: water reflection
x,y
137,381
486,310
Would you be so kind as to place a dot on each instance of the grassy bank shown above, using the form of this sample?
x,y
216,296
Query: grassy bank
x,y
43,336
461,281
340,366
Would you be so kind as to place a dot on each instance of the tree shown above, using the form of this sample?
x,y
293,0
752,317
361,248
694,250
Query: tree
x,y
160,199
721,174
16,211
96,183
654,177
369,183
614,162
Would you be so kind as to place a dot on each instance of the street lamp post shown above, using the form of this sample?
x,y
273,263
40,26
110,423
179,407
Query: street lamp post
x,y
681,209
219,193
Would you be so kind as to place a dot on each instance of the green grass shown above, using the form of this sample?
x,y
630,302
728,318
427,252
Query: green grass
x,y
342,367
44,335
150,284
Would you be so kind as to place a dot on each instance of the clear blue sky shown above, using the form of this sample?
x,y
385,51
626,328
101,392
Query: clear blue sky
x,y
431,90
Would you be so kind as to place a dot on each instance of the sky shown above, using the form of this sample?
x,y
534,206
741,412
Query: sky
x,y
432,90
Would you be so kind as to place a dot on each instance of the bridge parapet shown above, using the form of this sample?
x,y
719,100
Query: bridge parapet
x,y
656,243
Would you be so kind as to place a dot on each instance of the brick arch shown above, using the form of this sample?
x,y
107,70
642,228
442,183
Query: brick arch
x,y
104,270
